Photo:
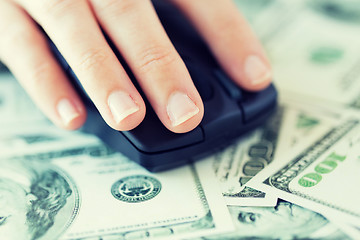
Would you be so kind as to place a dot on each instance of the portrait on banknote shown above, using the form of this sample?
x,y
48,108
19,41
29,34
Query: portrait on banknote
x,y
32,196
284,221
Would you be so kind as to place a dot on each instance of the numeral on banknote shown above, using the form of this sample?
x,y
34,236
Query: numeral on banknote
x,y
324,167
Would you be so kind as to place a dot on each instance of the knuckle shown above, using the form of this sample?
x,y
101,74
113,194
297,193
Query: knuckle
x,y
57,7
16,35
155,57
92,58
115,7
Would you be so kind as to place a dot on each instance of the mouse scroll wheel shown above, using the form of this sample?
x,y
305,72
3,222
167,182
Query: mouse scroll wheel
x,y
202,80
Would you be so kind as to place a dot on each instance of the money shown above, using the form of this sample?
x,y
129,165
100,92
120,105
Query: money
x,y
67,185
352,231
238,163
313,46
36,138
290,126
314,51
284,221
95,192
321,177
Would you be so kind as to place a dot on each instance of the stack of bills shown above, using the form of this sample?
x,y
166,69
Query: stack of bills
x,y
295,177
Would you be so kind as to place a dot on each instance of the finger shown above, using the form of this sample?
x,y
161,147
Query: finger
x,y
73,28
137,32
25,52
231,40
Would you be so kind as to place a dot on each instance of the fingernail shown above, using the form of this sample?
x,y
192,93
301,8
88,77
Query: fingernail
x,y
256,70
180,108
121,105
67,111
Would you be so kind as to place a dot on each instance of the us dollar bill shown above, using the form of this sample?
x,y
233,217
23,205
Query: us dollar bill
x,y
284,221
236,165
38,137
322,177
351,230
312,45
93,192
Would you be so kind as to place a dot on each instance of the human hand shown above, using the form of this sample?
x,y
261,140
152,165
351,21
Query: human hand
x,y
133,26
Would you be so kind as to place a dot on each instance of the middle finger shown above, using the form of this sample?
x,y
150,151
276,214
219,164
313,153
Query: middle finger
x,y
138,34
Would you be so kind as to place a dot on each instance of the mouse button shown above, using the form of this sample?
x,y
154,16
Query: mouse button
x,y
152,136
258,103
228,85
224,125
201,79
221,115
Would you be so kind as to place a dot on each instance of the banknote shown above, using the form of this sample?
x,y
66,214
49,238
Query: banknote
x,y
313,45
324,176
350,230
291,125
92,191
56,184
39,137
236,164
284,221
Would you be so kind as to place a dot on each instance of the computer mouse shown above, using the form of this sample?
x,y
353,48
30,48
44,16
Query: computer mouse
x,y
229,111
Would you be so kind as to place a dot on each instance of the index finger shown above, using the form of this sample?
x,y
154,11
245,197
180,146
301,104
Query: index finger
x,y
73,28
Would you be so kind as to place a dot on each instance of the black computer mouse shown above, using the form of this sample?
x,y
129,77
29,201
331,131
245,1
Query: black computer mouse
x,y
229,111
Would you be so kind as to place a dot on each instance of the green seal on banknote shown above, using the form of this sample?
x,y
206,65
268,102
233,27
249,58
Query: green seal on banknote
x,y
326,55
137,188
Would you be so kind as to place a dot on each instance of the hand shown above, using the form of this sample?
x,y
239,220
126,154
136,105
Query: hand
x,y
133,26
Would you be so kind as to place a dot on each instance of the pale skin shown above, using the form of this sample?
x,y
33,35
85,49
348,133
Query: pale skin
x,y
133,26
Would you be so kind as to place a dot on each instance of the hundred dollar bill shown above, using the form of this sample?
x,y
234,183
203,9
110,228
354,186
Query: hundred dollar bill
x,y
38,137
92,192
284,221
324,176
349,229
237,164
313,45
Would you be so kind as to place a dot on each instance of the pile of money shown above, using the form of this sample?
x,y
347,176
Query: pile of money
x,y
295,177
